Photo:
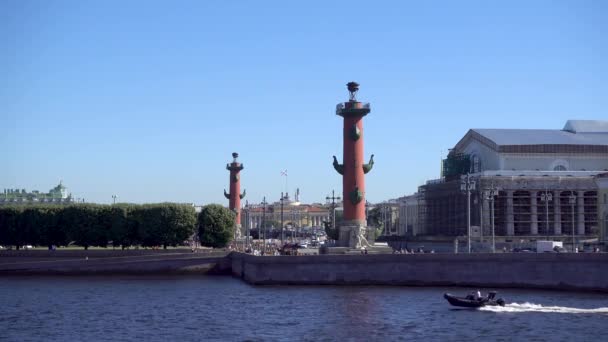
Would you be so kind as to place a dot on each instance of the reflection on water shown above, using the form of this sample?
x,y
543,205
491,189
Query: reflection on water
x,y
226,309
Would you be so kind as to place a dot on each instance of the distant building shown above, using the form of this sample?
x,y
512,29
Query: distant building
x,y
409,224
295,214
58,195
545,182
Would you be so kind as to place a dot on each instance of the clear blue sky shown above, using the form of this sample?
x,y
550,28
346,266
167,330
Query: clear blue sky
x,y
148,99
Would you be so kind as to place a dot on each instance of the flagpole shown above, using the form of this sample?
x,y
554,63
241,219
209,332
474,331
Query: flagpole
x,y
284,173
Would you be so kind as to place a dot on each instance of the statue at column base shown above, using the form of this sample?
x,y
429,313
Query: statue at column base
x,y
238,234
352,234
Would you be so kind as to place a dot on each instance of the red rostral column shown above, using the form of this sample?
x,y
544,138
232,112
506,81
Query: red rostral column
x,y
235,196
353,170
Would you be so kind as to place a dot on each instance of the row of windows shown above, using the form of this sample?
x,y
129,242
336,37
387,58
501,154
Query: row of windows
x,y
476,165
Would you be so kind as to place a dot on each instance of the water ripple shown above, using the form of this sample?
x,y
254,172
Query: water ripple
x,y
225,309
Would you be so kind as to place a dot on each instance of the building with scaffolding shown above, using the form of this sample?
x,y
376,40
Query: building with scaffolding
x,y
528,184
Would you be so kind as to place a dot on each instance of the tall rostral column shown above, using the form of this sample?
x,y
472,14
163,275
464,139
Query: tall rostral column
x,y
235,196
352,230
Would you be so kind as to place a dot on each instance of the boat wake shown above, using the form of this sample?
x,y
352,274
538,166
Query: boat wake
x,y
530,307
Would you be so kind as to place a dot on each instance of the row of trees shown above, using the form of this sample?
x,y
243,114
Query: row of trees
x,y
123,225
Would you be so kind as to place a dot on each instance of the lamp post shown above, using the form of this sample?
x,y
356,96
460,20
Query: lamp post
x,y
282,228
491,195
247,228
113,198
263,224
466,184
367,219
333,199
546,197
572,200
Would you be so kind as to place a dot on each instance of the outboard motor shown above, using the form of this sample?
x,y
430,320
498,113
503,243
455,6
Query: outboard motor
x,y
500,302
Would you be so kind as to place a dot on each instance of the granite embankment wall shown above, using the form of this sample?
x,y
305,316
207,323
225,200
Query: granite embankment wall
x,y
108,262
583,271
547,271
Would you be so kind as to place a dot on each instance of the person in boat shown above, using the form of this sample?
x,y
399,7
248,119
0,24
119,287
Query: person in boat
x,y
478,295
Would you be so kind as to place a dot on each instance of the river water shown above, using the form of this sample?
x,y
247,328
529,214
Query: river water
x,y
226,309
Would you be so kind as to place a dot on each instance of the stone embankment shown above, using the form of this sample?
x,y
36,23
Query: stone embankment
x,y
130,262
567,271
562,271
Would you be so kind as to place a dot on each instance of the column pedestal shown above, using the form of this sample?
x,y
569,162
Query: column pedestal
x,y
353,234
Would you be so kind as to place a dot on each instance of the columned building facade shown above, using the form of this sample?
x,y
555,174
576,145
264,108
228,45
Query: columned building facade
x,y
528,183
295,215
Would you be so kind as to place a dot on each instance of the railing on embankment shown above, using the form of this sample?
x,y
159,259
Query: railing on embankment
x,y
564,271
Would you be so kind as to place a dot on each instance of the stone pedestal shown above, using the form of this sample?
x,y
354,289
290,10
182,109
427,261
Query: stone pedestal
x,y
352,234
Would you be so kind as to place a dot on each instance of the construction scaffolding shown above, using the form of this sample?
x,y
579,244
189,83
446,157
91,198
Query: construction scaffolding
x,y
455,165
525,206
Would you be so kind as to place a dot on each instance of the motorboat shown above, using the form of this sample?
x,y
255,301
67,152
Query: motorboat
x,y
475,300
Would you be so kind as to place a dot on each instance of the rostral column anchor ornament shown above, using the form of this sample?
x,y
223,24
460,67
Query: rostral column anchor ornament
x,y
235,196
354,169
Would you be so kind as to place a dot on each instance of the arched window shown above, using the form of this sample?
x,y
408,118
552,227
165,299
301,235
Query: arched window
x,y
560,168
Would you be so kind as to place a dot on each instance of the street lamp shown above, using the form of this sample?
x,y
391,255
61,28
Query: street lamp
x,y
333,199
546,197
491,195
114,198
263,224
247,228
572,200
282,224
467,184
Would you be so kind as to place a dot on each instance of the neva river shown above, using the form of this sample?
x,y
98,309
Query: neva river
x,y
226,309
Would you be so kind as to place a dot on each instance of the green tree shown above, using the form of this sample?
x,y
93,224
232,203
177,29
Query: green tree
x,y
51,231
119,230
331,232
180,221
10,227
148,224
30,220
164,224
84,225
374,217
215,225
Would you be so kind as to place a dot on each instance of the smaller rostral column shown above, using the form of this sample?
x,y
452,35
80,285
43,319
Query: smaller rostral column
x,y
354,225
235,196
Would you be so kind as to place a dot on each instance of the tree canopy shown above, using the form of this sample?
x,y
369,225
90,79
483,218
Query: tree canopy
x,y
215,225
165,224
